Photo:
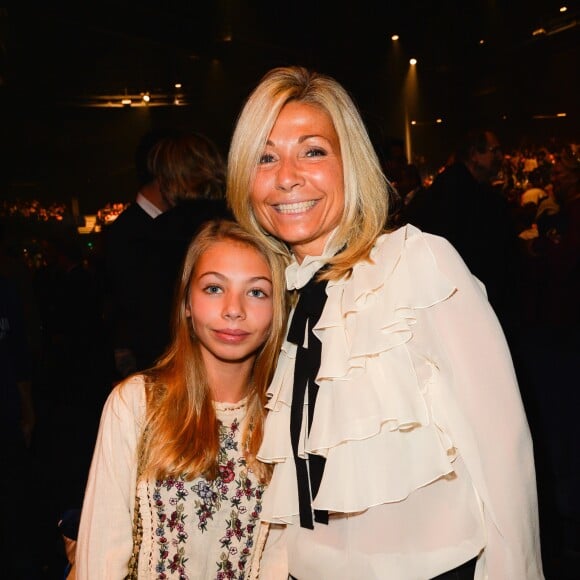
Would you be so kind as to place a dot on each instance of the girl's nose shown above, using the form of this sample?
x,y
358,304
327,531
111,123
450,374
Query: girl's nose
x,y
234,309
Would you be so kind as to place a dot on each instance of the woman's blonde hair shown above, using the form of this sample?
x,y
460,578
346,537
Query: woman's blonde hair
x,y
365,186
181,435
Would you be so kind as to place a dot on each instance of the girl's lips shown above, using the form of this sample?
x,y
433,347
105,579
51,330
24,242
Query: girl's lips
x,y
231,335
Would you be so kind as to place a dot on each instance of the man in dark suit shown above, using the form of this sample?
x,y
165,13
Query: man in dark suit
x,y
123,258
463,206
143,247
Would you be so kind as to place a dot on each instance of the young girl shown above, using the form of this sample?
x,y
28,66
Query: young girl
x,y
175,489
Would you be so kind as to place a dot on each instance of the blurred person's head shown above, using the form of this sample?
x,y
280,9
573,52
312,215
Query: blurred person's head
x,y
146,143
187,166
481,152
410,179
566,173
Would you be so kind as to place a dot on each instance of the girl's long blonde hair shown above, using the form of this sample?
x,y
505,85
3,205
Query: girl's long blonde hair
x,y
181,435
366,189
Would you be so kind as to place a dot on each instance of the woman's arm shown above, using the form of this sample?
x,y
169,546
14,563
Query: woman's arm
x,y
105,534
270,559
489,425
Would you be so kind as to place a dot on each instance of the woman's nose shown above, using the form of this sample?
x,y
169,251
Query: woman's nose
x,y
288,175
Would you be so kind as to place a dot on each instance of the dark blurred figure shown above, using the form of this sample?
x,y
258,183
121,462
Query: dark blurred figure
x,y
393,158
73,381
195,198
462,206
550,351
143,251
17,421
412,192
123,256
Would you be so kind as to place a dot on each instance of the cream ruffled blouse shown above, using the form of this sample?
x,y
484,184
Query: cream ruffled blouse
x,y
428,453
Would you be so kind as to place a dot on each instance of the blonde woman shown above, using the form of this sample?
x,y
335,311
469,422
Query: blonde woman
x,y
175,489
398,437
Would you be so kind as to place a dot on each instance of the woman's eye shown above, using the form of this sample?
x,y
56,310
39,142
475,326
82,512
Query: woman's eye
x,y
212,289
315,152
266,158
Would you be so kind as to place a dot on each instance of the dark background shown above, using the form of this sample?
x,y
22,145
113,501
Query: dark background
x,y
61,65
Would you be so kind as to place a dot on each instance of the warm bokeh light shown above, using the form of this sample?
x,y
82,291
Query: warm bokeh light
x,y
413,61
146,98
439,120
563,8
395,37
177,85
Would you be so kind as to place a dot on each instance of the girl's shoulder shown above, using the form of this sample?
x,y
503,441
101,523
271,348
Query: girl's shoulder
x,y
128,396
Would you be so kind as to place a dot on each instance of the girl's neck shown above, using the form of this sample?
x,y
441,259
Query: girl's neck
x,y
229,385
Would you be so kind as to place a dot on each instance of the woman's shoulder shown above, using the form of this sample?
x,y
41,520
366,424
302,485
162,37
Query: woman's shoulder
x,y
410,242
413,268
408,236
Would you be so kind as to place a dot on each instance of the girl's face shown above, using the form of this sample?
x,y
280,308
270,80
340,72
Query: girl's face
x,y
298,192
230,304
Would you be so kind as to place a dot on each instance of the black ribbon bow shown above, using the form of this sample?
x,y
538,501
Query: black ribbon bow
x,y
312,298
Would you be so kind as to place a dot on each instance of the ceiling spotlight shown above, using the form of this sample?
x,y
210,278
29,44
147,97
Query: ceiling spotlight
x,y
439,120
563,8
413,61
482,41
177,85
146,98
413,122
395,37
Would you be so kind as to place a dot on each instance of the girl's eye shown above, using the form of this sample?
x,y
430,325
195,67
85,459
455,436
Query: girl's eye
x,y
266,158
212,289
258,293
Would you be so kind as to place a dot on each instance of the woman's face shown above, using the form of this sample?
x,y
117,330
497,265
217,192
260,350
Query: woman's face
x,y
231,304
298,192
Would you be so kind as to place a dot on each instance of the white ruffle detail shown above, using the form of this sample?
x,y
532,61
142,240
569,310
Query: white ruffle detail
x,y
373,419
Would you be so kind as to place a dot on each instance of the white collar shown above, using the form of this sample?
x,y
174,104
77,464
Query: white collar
x,y
298,275
149,208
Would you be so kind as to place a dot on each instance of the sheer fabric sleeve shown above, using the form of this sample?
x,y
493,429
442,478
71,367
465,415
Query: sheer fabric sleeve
x,y
270,559
105,534
487,420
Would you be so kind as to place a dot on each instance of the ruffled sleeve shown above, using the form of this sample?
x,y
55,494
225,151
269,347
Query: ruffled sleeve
x,y
373,401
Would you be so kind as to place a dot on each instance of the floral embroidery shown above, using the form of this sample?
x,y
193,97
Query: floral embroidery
x,y
233,490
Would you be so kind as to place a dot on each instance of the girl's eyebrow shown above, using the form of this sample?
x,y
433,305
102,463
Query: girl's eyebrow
x,y
224,276
212,273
